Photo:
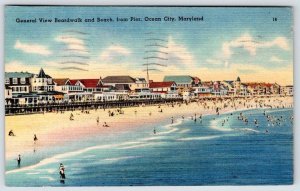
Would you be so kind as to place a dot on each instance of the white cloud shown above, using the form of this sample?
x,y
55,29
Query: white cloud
x,y
73,43
114,53
32,48
178,54
276,59
213,61
280,42
251,45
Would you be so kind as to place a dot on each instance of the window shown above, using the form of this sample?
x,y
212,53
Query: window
x,y
23,80
6,80
15,80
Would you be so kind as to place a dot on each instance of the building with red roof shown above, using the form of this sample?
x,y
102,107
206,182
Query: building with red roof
x,y
166,89
162,87
262,88
92,85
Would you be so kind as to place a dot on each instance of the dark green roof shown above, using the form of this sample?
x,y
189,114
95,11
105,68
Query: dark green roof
x,y
182,79
18,75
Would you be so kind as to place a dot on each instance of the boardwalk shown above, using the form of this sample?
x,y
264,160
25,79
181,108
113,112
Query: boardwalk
x,y
60,107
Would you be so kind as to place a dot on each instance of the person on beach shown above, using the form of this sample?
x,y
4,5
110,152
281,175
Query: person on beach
x,y
62,171
71,117
34,138
217,111
105,124
97,120
200,117
19,160
11,133
172,120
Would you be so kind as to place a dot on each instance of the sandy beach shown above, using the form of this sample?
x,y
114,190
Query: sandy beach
x,y
54,129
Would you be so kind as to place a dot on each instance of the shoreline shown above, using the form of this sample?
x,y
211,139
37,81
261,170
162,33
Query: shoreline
x,y
85,126
188,135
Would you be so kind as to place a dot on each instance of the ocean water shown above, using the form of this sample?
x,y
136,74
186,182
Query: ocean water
x,y
188,152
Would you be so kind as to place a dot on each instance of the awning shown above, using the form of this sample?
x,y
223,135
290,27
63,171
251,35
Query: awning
x,y
58,96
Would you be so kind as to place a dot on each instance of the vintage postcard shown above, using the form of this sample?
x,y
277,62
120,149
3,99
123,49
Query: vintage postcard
x,y
148,96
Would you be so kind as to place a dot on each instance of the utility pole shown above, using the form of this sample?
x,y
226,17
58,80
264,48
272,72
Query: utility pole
x,y
155,54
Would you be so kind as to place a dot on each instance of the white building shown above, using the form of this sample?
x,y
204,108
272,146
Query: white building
x,y
287,90
19,82
41,82
144,93
168,90
120,83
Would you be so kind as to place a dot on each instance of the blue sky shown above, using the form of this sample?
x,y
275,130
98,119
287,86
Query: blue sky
x,y
230,42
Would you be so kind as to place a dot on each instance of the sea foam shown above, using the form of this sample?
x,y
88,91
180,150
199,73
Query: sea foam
x,y
214,125
199,138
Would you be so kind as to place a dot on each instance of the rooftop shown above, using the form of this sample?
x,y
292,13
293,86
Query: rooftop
x,y
90,83
18,75
255,84
179,79
160,84
140,79
61,81
118,79
122,87
42,74
73,82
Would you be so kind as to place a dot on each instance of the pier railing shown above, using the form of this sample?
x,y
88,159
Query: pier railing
x,y
23,109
